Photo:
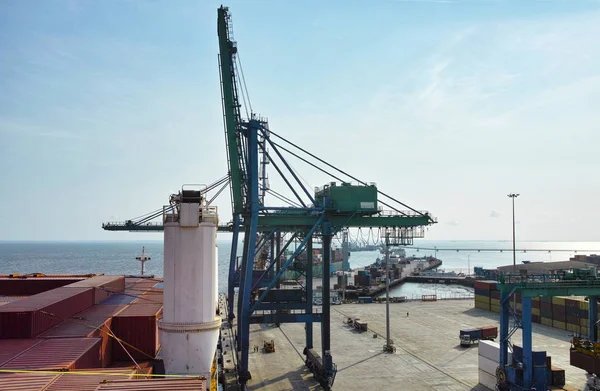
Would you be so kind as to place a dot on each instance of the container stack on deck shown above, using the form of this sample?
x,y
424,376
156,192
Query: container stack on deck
x,y
65,323
362,278
483,295
566,313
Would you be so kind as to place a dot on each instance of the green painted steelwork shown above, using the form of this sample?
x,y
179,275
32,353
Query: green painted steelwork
x,y
298,222
231,108
554,289
345,197
301,222
549,285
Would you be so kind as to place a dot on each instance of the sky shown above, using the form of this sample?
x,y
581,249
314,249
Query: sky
x,y
107,107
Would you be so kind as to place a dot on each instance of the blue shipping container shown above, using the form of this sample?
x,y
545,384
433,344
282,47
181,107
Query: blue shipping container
x,y
472,333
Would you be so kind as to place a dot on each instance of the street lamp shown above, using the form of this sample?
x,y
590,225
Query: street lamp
x,y
388,344
513,196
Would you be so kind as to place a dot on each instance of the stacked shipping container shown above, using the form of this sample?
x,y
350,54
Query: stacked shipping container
x,y
31,316
137,326
482,294
95,322
73,325
59,354
362,278
17,286
565,313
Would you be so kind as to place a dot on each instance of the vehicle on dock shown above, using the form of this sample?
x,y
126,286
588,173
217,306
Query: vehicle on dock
x,y
269,346
470,336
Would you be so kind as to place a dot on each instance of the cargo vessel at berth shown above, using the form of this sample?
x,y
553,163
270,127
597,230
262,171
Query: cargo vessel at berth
x,y
339,262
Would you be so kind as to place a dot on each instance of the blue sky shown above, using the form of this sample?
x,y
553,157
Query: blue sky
x,y
108,107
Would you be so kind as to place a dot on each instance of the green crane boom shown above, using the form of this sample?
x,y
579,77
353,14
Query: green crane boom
x,y
231,108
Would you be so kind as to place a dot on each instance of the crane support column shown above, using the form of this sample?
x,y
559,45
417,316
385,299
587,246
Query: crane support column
x,y
593,316
243,282
504,316
277,251
309,292
527,343
325,329
248,263
271,255
232,259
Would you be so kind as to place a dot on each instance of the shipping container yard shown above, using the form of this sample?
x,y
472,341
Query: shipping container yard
x,y
428,356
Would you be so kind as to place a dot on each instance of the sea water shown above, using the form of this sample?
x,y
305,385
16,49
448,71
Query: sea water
x,y
118,257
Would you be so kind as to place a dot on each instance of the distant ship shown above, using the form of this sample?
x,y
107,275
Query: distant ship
x,y
368,247
337,263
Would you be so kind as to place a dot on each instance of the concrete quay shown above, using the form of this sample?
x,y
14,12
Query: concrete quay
x,y
428,355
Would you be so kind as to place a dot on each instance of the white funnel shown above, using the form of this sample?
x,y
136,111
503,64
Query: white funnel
x,y
189,329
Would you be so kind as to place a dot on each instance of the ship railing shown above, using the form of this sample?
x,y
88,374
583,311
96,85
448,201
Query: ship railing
x,y
315,310
129,223
337,183
556,279
406,213
438,297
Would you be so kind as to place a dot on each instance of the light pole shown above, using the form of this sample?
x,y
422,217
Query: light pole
x,y
389,347
468,265
513,196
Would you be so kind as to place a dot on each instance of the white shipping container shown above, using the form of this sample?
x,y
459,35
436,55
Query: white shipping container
x,y
487,365
490,350
487,380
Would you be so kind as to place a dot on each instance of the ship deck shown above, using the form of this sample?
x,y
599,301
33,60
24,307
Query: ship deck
x,y
428,355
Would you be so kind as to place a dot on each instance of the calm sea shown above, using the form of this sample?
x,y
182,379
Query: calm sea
x,y
119,258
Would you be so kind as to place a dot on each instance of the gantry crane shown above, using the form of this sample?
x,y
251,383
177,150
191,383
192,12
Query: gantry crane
x,y
324,213
528,370
270,230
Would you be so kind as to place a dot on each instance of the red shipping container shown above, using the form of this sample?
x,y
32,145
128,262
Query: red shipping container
x,y
488,285
11,348
35,314
59,354
147,367
535,318
104,286
489,332
140,283
558,313
32,285
154,385
151,296
73,382
137,325
95,322
10,299
25,381
535,302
